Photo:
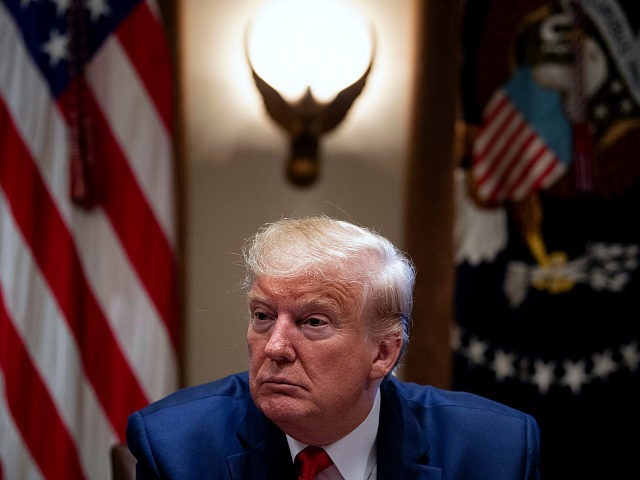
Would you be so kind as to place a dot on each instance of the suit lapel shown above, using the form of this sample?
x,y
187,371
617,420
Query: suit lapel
x,y
261,463
266,454
403,449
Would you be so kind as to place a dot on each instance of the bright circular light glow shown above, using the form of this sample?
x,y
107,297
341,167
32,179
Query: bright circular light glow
x,y
320,44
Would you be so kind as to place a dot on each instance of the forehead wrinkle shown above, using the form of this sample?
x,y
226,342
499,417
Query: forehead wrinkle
x,y
304,294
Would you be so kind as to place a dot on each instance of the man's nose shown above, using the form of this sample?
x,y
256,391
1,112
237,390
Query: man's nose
x,y
280,346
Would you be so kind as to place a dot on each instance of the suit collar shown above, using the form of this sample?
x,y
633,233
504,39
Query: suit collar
x,y
266,454
403,448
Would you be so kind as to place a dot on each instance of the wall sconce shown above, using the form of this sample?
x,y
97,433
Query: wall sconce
x,y
310,60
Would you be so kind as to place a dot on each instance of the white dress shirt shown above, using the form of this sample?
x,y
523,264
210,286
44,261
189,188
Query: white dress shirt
x,y
354,456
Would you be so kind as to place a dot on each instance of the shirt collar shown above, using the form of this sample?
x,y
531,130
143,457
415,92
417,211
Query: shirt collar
x,y
354,455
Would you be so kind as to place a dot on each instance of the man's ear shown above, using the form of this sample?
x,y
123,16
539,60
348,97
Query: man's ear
x,y
388,352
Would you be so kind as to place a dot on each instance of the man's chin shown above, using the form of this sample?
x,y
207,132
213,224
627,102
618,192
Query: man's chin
x,y
282,408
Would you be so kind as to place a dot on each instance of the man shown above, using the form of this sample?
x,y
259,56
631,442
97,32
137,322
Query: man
x,y
329,305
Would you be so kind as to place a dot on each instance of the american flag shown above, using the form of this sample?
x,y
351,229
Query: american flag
x,y
524,141
88,268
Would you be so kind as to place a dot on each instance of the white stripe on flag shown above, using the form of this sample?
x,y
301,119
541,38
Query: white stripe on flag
x,y
541,164
109,74
507,159
497,157
553,175
132,317
510,123
526,157
500,110
153,6
15,460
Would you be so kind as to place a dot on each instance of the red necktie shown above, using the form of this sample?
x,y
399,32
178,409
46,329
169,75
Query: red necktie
x,y
311,461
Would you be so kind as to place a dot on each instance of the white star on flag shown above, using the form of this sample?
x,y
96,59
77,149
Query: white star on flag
x,y
631,356
61,6
476,351
575,375
543,376
57,47
603,364
503,365
98,8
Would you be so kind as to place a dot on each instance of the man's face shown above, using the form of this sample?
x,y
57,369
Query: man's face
x,y
313,368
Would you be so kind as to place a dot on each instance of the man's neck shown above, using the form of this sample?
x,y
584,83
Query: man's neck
x,y
355,453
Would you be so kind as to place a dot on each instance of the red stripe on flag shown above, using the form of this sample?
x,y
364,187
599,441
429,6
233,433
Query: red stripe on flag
x,y
496,159
504,153
32,408
129,212
505,181
53,249
143,38
487,157
525,171
545,174
491,135
495,107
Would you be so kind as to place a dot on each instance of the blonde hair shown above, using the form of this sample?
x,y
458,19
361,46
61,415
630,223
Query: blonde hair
x,y
336,251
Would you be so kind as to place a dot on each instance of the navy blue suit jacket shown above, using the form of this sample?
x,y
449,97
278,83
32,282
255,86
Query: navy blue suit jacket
x,y
215,431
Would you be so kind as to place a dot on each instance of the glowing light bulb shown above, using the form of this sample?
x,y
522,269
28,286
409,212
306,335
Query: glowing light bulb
x,y
323,45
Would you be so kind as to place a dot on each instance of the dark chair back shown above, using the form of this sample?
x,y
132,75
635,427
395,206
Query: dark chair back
x,y
123,463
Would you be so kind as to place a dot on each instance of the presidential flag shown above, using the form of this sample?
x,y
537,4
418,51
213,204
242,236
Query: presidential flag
x,y
88,266
547,292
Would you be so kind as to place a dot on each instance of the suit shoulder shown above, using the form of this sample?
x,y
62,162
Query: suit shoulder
x,y
233,386
430,397
192,431
461,429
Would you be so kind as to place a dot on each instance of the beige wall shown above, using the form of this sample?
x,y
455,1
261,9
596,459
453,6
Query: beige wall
x,y
235,159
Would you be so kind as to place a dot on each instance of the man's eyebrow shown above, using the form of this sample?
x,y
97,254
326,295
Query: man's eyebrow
x,y
255,298
302,303
321,303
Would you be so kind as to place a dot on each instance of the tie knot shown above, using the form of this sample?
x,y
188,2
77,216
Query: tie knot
x,y
311,461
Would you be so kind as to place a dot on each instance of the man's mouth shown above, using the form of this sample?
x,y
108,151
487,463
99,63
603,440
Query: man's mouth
x,y
281,384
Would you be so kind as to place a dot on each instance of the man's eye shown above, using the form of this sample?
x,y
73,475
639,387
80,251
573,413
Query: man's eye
x,y
315,322
260,316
